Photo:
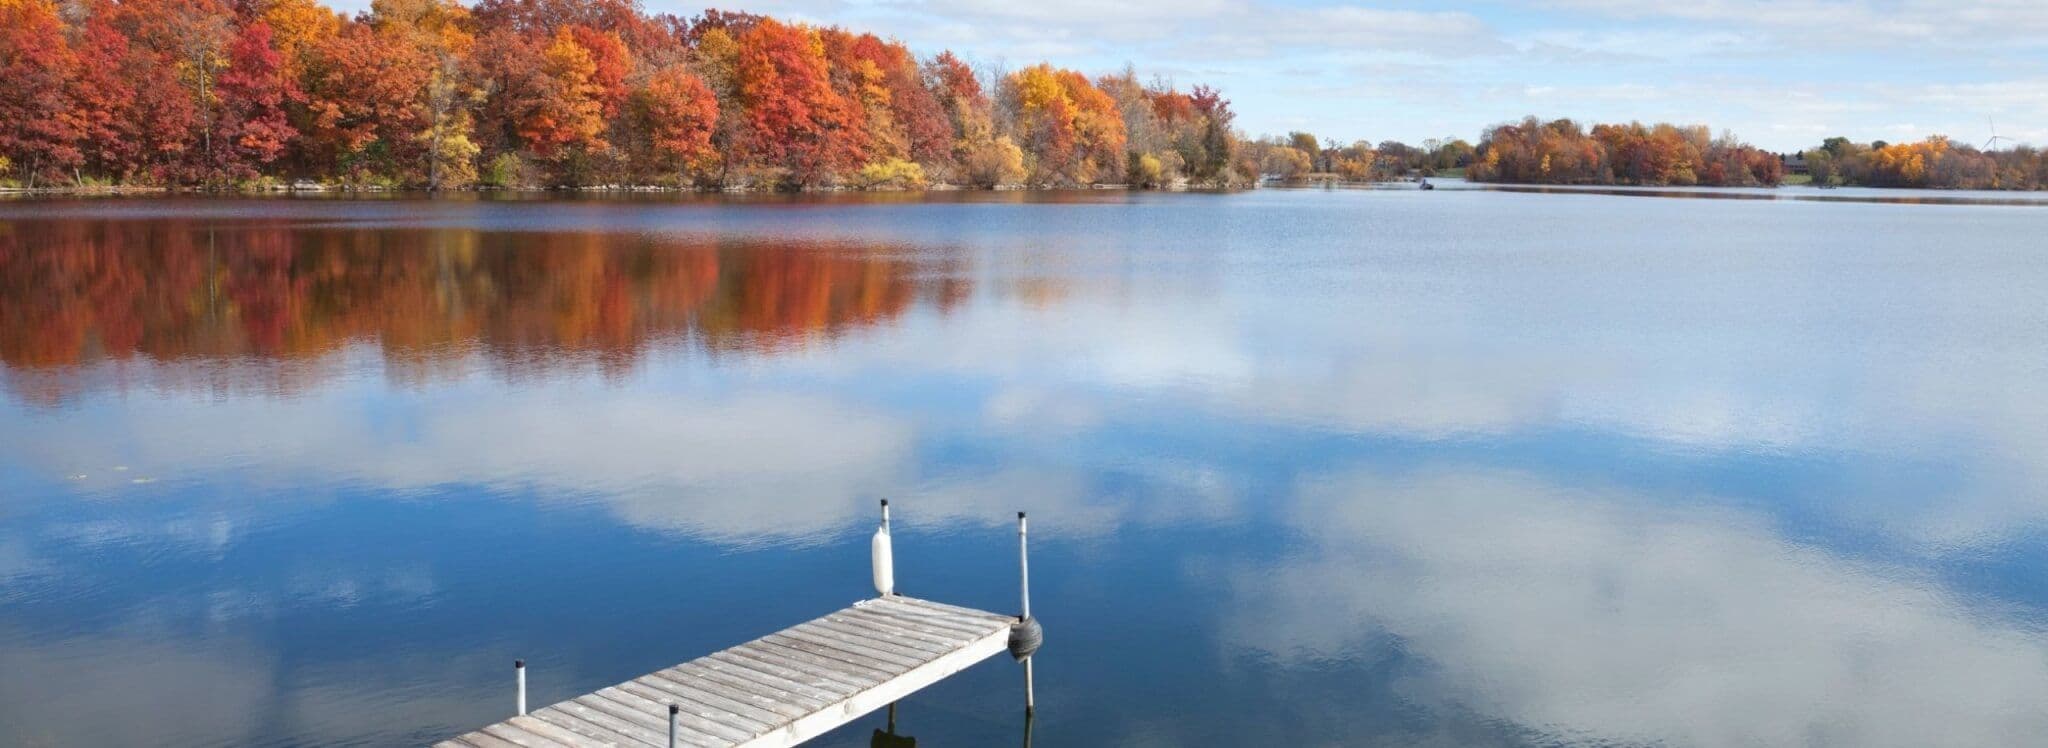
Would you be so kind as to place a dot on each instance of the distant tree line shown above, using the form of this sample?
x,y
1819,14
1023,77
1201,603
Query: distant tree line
x,y
1300,156
1562,152
1532,151
1936,162
444,94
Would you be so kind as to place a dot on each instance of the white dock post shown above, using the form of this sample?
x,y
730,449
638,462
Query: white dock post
x,y
1024,587
883,555
519,667
673,717
1024,565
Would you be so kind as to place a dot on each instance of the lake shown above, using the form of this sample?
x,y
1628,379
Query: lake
x,y
1304,467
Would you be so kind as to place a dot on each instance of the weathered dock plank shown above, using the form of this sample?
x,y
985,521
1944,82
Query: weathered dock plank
x,y
775,691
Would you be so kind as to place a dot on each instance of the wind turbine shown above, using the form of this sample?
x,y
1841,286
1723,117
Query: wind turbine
x,y
1992,144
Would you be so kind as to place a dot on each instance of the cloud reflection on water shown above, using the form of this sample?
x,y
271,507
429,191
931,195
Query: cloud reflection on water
x,y
1595,614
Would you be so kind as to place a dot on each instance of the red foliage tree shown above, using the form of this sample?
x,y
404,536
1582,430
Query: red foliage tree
x,y
105,103
36,129
795,120
1173,107
917,110
250,129
954,84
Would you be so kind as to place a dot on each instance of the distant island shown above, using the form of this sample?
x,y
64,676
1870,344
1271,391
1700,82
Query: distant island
x,y
250,95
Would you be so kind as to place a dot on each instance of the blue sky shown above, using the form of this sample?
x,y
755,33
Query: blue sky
x,y
1781,74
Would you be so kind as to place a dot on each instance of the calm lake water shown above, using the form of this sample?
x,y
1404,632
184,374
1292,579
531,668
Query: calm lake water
x,y
1463,467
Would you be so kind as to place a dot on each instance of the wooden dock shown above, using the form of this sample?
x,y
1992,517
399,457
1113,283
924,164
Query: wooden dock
x,y
778,690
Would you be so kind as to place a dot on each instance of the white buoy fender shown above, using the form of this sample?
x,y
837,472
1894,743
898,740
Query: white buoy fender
x,y
884,556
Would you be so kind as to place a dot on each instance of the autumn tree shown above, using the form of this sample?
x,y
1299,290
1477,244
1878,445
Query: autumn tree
x,y
983,158
362,89
437,33
554,103
715,56
609,64
297,27
1150,160
1070,129
1307,145
679,113
856,64
37,129
1357,162
113,126
156,133
190,38
449,152
249,129
795,120
1212,159
1288,161
916,108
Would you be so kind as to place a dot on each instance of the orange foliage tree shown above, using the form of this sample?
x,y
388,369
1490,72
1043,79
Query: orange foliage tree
x,y
795,119
679,113
566,114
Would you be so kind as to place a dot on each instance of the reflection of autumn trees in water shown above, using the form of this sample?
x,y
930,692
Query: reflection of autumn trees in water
x,y
261,306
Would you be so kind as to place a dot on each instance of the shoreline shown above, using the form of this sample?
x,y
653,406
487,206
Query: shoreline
x,y
124,191
1399,184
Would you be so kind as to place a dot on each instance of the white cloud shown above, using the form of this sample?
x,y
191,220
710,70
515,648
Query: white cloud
x,y
1873,23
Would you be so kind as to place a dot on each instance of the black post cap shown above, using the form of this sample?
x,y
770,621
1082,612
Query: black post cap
x,y
518,663
1020,515
885,502
672,709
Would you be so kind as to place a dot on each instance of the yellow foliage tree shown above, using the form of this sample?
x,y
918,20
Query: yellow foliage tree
x,y
572,116
1071,128
994,163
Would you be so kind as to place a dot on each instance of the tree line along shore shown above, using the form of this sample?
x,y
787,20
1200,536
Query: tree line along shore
x,y
113,95
1561,151
436,94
